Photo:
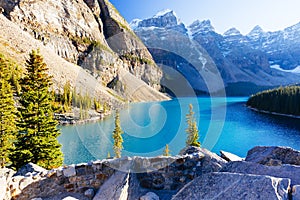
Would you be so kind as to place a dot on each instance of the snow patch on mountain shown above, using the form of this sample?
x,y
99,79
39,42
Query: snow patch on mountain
x,y
162,13
277,67
135,23
201,27
232,32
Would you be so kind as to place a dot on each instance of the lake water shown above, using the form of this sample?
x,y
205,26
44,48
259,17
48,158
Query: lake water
x,y
224,124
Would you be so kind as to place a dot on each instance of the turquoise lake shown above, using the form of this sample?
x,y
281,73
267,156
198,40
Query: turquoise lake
x,y
224,124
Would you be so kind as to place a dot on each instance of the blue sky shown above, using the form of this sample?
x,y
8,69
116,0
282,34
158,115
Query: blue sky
x,y
271,15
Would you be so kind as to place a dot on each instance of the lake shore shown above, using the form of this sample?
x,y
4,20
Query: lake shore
x,y
273,113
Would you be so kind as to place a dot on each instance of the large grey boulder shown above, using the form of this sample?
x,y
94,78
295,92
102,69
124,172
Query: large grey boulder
x,y
285,171
273,155
220,186
115,188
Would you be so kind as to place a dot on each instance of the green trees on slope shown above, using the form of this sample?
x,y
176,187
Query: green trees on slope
x,y
285,100
37,136
117,136
8,127
192,129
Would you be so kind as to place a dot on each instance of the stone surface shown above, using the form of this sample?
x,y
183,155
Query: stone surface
x,y
220,186
25,182
230,156
115,188
296,192
89,193
3,186
164,176
268,155
69,171
30,169
150,196
70,198
285,171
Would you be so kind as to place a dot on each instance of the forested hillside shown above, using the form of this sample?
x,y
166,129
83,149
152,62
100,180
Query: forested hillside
x,y
284,100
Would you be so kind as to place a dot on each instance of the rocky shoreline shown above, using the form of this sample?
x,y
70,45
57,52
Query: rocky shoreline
x,y
196,173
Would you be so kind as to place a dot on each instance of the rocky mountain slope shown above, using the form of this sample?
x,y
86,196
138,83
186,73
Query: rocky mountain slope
x,y
266,173
90,36
240,59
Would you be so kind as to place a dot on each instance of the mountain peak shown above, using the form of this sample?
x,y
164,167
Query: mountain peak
x,y
165,12
163,19
256,32
232,32
201,26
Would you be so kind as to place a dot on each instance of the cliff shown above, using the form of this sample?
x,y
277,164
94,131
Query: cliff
x,y
266,173
90,34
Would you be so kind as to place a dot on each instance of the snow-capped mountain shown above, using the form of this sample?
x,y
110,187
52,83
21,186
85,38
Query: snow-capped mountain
x,y
164,19
201,26
239,58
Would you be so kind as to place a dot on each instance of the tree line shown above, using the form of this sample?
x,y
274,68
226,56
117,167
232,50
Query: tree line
x,y
284,100
69,98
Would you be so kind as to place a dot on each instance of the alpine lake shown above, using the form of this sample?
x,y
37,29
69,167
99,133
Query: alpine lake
x,y
223,123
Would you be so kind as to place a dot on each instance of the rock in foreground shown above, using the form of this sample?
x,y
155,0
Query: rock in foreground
x,y
273,155
220,186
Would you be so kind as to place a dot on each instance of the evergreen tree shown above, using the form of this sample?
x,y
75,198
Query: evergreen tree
x,y
7,114
37,137
192,129
117,136
167,151
67,96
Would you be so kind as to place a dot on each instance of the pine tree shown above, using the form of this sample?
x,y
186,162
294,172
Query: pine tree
x,y
192,129
37,138
167,151
117,136
108,155
7,114
67,96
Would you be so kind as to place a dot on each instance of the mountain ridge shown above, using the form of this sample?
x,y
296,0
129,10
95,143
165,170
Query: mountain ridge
x,y
239,58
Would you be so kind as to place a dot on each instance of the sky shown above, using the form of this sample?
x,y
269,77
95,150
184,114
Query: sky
x,y
271,15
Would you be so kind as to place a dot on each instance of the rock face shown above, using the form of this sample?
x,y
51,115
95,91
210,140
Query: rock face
x,y
221,186
285,171
238,58
273,155
89,33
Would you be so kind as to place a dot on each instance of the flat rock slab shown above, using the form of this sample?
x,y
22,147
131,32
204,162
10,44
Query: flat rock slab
x,y
220,186
115,188
230,156
267,155
284,171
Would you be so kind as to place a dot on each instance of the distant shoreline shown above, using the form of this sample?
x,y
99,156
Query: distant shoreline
x,y
273,113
